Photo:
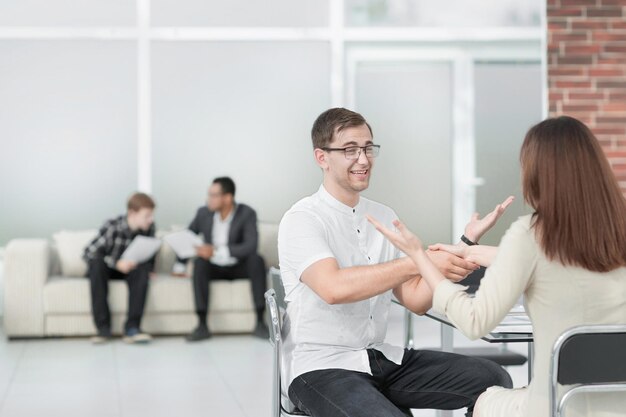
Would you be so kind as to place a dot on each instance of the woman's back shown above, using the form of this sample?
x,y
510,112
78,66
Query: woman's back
x,y
578,227
568,258
559,297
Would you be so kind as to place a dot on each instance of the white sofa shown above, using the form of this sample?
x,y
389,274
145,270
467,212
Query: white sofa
x,y
40,300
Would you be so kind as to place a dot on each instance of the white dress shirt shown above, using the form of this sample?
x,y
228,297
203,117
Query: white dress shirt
x,y
318,335
219,235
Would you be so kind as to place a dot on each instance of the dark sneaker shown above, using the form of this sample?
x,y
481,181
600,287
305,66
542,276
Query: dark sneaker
x,y
103,336
201,332
261,331
135,335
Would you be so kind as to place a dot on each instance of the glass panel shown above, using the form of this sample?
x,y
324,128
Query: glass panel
x,y
443,13
238,109
409,108
68,134
505,110
292,13
67,13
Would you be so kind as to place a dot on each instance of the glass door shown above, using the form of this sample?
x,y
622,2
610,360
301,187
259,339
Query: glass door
x,y
450,122
409,106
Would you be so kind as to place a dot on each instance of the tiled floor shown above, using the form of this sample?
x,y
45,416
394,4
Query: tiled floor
x,y
228,376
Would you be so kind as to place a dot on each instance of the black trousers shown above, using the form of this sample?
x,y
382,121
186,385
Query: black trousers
x,y
425,379
99,275
252,267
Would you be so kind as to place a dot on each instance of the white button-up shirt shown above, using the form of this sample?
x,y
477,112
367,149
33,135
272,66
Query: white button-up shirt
x,y
318,335
219,235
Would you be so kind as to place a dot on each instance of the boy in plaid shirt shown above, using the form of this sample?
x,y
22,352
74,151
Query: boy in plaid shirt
x,y
103,257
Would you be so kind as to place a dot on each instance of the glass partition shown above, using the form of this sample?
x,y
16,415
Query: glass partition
x,y
68,116
53,13
239,109
409,107
444,13
504,111
240,13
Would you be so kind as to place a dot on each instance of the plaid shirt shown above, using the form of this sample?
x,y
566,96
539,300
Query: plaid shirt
x,y
112,240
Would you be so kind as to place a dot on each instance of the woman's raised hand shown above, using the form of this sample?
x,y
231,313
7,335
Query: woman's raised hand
x,y
477,227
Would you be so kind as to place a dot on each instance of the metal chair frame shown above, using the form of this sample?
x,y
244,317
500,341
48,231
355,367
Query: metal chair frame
x,y
276,340
580,384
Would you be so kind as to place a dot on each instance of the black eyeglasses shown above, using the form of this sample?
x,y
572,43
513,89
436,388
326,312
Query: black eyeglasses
x,y
354,152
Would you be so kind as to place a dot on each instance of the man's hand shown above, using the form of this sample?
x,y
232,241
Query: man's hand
x,y
125,266
476,227
205,251
478,254
451,266
459,249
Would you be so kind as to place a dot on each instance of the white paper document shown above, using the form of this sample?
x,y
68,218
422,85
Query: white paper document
x,y
184,243
141,249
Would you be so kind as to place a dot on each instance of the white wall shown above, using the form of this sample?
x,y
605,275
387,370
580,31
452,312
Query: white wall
x,y
1,281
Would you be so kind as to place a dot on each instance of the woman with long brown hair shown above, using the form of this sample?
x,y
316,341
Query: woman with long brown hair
x,y
568,259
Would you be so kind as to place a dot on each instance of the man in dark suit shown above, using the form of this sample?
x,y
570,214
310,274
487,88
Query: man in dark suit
x,y
230,252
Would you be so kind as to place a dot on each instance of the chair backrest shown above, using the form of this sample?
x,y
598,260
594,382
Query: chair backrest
x,y
276,342
268,242
277,285
276,305
592,358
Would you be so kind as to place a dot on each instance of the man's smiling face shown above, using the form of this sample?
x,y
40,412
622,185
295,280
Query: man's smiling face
x,y
351,176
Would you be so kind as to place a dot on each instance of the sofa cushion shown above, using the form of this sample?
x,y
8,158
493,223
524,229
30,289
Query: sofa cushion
x,y
63,295
70,245
166,257
166,294
268,243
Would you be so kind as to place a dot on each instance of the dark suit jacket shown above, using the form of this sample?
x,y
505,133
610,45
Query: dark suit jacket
x,y
243,237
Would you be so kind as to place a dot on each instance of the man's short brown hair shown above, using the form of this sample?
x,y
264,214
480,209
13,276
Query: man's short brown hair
x,y
333,121
137,201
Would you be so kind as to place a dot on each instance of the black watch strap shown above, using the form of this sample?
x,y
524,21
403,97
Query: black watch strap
x,y
468,242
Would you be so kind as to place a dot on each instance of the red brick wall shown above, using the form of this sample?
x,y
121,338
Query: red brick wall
x,y
587,70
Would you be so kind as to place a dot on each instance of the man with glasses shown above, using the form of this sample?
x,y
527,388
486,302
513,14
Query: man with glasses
x,y
230,252
339,274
